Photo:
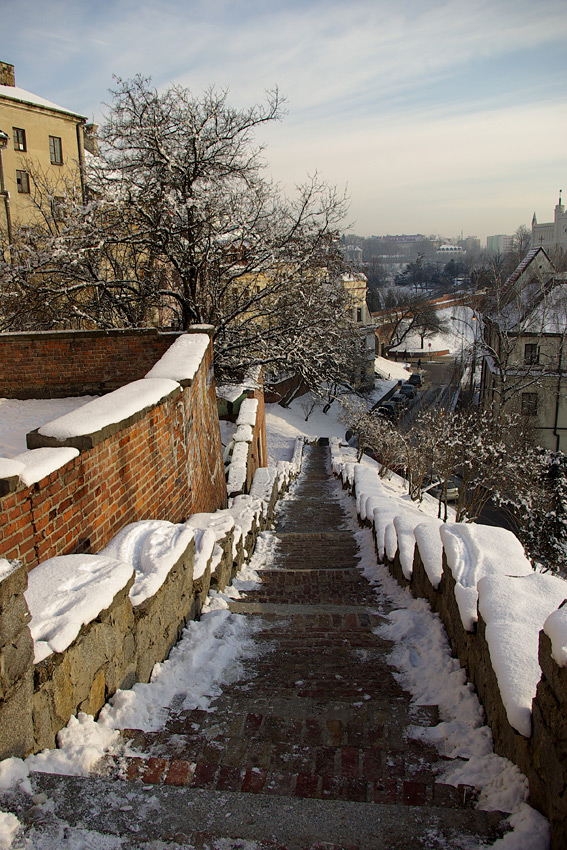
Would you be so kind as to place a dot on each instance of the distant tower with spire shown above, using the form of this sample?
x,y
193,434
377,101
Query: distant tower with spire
x,y
551,235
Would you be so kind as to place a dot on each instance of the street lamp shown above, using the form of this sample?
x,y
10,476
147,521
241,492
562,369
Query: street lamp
x,y
3,144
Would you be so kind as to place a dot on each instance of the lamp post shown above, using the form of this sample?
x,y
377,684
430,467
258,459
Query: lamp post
x,y
6,195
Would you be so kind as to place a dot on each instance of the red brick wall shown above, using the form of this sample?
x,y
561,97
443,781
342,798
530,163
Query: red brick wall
x,y
168,465
55,364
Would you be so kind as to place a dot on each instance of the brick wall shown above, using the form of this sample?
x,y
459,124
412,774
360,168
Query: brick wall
x,y
56,364
163,464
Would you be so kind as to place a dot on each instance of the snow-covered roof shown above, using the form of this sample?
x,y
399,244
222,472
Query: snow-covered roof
x,y
23,96
521,268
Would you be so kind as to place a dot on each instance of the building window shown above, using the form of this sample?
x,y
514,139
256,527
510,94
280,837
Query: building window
x,y
531,353
359,314
55,150
529,404
23,181
19,139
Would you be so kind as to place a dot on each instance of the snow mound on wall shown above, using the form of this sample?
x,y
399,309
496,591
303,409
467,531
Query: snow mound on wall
x,y
38,463
182,359
109,409
474,551
152,548
428,541
555,628
515,610
66,592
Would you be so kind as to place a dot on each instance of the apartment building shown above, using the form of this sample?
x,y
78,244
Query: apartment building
x,y
41,145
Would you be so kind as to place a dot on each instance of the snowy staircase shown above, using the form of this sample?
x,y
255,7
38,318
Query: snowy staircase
x,y
307,749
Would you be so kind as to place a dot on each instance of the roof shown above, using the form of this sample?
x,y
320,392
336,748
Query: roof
x,y
23,96
520,269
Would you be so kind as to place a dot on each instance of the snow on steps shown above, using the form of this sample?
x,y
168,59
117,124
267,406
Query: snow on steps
x,y
101,622
497,612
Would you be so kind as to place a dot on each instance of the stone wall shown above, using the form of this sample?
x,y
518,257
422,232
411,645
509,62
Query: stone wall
x,y
543,756
58,364
16,666
164,462
548,744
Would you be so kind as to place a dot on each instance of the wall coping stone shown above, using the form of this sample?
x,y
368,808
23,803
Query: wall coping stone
x,y
35,440
91,334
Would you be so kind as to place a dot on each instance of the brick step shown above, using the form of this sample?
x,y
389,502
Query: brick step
x,y
338,750
395,790
368,764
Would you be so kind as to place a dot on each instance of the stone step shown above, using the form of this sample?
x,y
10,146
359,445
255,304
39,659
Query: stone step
x,y
196,818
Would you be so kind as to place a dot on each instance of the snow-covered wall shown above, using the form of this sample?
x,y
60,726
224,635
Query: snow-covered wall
x,y
79,627
150,449
247,449
506,624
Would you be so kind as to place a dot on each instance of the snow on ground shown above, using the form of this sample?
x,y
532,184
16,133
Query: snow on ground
x,y
284,424
460,333
391,369
210,651
20,416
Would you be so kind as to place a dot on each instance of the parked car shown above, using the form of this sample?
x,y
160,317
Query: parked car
x,y
415,379
436,487
408,390
388,409
399,399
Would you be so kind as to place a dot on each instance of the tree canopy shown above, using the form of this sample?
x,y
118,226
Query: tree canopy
x,y
182,226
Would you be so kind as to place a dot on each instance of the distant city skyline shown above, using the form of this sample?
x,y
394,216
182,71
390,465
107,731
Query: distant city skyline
x,y
437,117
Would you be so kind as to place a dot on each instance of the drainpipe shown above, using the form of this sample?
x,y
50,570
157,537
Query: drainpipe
x,y
3,144
80,149
558,397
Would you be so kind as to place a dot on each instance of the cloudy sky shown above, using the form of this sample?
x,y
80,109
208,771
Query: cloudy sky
x,y
438,116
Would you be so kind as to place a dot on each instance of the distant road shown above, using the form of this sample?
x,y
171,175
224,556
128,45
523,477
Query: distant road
x,y
438,386
440,382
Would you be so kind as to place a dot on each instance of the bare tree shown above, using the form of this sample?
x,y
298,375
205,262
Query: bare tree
x,y
182,226
411,315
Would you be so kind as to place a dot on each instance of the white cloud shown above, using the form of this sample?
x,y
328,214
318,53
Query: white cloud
x,y
430,98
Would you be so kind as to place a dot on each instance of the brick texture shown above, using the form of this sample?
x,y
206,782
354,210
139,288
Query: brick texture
x,y
167,465
56,364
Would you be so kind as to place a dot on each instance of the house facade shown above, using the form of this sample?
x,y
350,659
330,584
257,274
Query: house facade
x,y
41,145
524,368
356,286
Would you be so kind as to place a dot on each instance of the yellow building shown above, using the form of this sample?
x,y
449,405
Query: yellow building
x,y
356,286
40,143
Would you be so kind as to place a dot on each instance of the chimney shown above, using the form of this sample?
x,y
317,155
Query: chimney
x,y
7,77
90,138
